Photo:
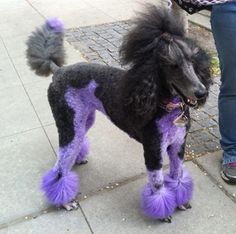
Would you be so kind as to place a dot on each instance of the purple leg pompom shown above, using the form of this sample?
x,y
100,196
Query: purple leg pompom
x,y
183,187
60,189
83,151
159,204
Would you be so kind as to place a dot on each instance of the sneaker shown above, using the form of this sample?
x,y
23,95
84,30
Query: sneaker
x,y
228,173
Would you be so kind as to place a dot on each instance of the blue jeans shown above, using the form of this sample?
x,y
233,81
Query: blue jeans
x,y
223,22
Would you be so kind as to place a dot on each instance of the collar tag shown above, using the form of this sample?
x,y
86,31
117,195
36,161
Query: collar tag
x,y
181,120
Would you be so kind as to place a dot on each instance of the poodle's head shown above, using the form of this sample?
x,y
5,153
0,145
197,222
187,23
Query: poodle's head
x,y
177,65
185,68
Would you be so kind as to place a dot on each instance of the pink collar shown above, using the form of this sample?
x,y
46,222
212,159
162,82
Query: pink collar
x,y
172,105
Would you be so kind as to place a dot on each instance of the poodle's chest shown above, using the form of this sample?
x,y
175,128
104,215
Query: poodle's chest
x,y
172,132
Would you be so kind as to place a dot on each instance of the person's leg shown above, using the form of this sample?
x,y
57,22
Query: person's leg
x,y
223,21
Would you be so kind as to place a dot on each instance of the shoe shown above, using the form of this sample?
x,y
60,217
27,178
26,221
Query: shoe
x,y
228,173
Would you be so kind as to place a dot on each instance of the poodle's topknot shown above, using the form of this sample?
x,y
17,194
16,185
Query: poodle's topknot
x,y
147,28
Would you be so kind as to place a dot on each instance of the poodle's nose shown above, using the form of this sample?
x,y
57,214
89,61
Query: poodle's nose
x,y
200,92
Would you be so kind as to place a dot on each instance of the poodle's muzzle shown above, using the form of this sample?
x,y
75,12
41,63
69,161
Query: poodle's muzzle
x,y
190,87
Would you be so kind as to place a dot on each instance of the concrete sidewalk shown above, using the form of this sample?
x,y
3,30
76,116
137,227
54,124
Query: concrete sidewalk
x,y
110,188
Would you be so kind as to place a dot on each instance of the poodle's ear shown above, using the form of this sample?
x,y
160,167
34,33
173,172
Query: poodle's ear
x,y
141,97
137,47
202,66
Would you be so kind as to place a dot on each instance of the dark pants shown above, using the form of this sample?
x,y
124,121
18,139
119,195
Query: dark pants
x,y
223,21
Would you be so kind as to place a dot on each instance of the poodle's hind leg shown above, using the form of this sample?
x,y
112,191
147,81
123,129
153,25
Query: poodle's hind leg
x,y
81,157
178,179
60,185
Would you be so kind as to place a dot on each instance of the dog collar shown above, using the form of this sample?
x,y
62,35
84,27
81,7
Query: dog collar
x,y
171,104
182,119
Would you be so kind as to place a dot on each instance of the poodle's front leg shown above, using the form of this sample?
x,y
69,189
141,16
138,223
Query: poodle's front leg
x,y
179,180
158,201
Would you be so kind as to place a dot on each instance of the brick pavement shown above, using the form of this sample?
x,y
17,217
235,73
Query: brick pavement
x,y
100,44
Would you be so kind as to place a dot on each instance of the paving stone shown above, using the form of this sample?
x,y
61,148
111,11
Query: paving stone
x,y
16,45
213,146
215,131
23,22
215,88
212,163
201,136
8,75
190,140
16,112
73,13
55,222
195,126
38,96
212,100
24,158
200,20
3,52
27,76
207,123
195,150
118,211
72,55
113,156
212,111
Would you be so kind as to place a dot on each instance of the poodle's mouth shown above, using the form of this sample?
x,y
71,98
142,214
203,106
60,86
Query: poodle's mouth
x,y
191,102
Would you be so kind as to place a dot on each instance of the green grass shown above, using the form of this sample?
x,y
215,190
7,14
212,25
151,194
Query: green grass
x,y
215,65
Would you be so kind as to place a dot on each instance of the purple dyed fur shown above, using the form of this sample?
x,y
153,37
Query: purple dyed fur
x,y
178,181
91,119
155,178
157,201
171,134
60,190
159,204
85,147
183,187
83,151
56,25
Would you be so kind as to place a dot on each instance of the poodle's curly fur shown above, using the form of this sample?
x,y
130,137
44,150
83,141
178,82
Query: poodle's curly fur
x,y
167,74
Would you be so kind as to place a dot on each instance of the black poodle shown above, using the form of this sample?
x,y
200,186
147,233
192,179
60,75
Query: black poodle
x,y
168,73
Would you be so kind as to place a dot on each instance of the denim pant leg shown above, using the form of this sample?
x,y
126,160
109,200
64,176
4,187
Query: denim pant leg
x,y
223,22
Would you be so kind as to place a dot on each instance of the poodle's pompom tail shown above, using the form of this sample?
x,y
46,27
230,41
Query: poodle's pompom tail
x,y
45,51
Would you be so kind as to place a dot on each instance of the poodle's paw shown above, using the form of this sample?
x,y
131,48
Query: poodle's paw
x,y
83,153
59,188
159,203
182,187
167,220
185,206
74,205
85,161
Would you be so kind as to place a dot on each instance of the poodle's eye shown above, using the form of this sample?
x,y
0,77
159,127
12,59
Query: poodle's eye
x,y
174,66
